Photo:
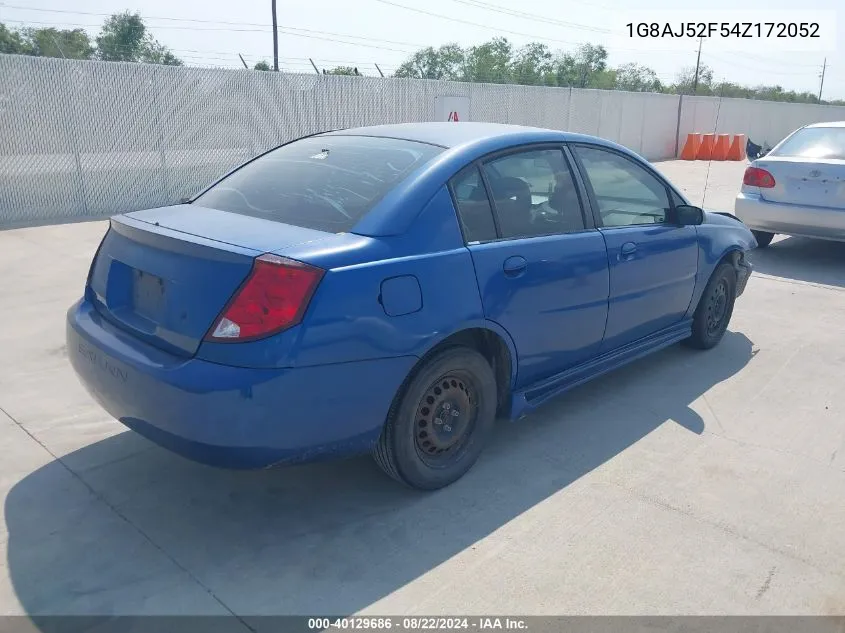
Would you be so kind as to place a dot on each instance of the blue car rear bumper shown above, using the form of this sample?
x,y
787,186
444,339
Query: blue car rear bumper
x,y
228,416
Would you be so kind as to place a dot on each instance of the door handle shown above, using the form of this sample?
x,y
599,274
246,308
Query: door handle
x,y
514,266
627,251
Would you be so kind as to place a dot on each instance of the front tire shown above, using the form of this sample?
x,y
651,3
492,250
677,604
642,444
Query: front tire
x,y
715,308
440,420
763,238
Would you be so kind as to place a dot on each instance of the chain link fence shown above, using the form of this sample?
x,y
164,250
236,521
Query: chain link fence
x,y
85,139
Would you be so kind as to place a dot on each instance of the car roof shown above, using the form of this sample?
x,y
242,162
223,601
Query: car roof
x,y
452,135
828,124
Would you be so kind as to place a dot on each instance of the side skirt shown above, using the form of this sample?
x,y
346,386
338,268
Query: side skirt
x,y
533,396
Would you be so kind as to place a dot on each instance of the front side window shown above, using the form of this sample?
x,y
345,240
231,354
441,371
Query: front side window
x,y
327,183
534,194
626,193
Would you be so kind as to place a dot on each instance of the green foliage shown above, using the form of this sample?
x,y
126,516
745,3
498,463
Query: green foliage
x,y
636,78
343,70
262,65
496,61
13,43
123,38
69,43
72,44
446,63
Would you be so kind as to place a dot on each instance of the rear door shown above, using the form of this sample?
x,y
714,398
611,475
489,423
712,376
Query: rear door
x,y
653,262
541,264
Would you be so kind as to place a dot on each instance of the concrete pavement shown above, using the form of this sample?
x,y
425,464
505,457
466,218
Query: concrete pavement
x,y
687,483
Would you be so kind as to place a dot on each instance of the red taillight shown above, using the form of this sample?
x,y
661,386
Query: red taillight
x,y
756,177
273,298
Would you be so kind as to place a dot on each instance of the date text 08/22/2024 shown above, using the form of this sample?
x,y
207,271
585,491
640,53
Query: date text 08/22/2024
x,y
417,623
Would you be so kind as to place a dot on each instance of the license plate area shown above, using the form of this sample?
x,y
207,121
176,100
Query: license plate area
x,y
148,292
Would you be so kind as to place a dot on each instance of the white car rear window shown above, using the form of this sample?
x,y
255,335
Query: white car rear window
x,y
814,142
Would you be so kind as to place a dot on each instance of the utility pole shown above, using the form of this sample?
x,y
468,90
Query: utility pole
x,y
242,61
275,40
379,71
315,66
697,67
821,85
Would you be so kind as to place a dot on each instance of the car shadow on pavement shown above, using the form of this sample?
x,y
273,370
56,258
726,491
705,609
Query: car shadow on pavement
x,y
137,534
803,259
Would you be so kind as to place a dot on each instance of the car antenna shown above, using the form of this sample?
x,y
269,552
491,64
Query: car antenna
x,y
715,130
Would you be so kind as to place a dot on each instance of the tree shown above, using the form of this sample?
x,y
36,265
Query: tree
x,y
490,62
685,81
124,38
13,43
533,64
344,70
590,63
156,53
586,69
262,65
445,63
71,44
636,78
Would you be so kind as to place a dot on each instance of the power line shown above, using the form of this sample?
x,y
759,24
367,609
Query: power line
x,y
261,25
757,69
530,16
501,30
460,21
287,30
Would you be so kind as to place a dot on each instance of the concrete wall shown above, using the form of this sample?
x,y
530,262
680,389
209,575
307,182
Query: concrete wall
x,y
82,139
762,121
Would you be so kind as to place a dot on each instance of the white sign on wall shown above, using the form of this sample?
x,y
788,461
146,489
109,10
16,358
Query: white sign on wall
x,y
453,109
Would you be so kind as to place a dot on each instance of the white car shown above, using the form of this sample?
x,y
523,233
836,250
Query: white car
x,y
798,188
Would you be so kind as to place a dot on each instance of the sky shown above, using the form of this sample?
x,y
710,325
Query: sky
x,y
364,33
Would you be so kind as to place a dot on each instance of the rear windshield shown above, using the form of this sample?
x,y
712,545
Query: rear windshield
x,y
327,183
814,142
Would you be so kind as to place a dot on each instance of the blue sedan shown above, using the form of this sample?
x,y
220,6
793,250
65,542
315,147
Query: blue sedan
x,y
394,290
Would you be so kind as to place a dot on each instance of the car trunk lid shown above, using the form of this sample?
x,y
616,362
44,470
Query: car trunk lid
x,y
157,278
820,183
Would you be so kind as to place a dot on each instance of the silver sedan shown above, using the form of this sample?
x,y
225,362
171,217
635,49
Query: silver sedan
x,y
798,188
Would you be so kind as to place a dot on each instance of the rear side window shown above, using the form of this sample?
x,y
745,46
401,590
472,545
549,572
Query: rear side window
x,y
474,209
814,142
327,183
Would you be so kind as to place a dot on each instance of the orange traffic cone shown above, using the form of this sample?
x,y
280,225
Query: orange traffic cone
x,y
691,146
705,150
720,149
737,149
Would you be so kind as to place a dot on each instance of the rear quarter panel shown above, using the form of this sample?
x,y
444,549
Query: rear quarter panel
x,y
426,272
431,280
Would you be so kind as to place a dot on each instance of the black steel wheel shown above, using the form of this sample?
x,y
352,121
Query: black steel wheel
x,y
715,308
439,422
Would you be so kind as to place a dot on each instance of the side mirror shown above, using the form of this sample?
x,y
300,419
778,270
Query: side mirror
x,y
688,215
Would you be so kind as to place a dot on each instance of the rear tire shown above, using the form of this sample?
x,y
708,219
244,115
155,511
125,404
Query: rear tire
x,y
715,308
440,421
763,238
